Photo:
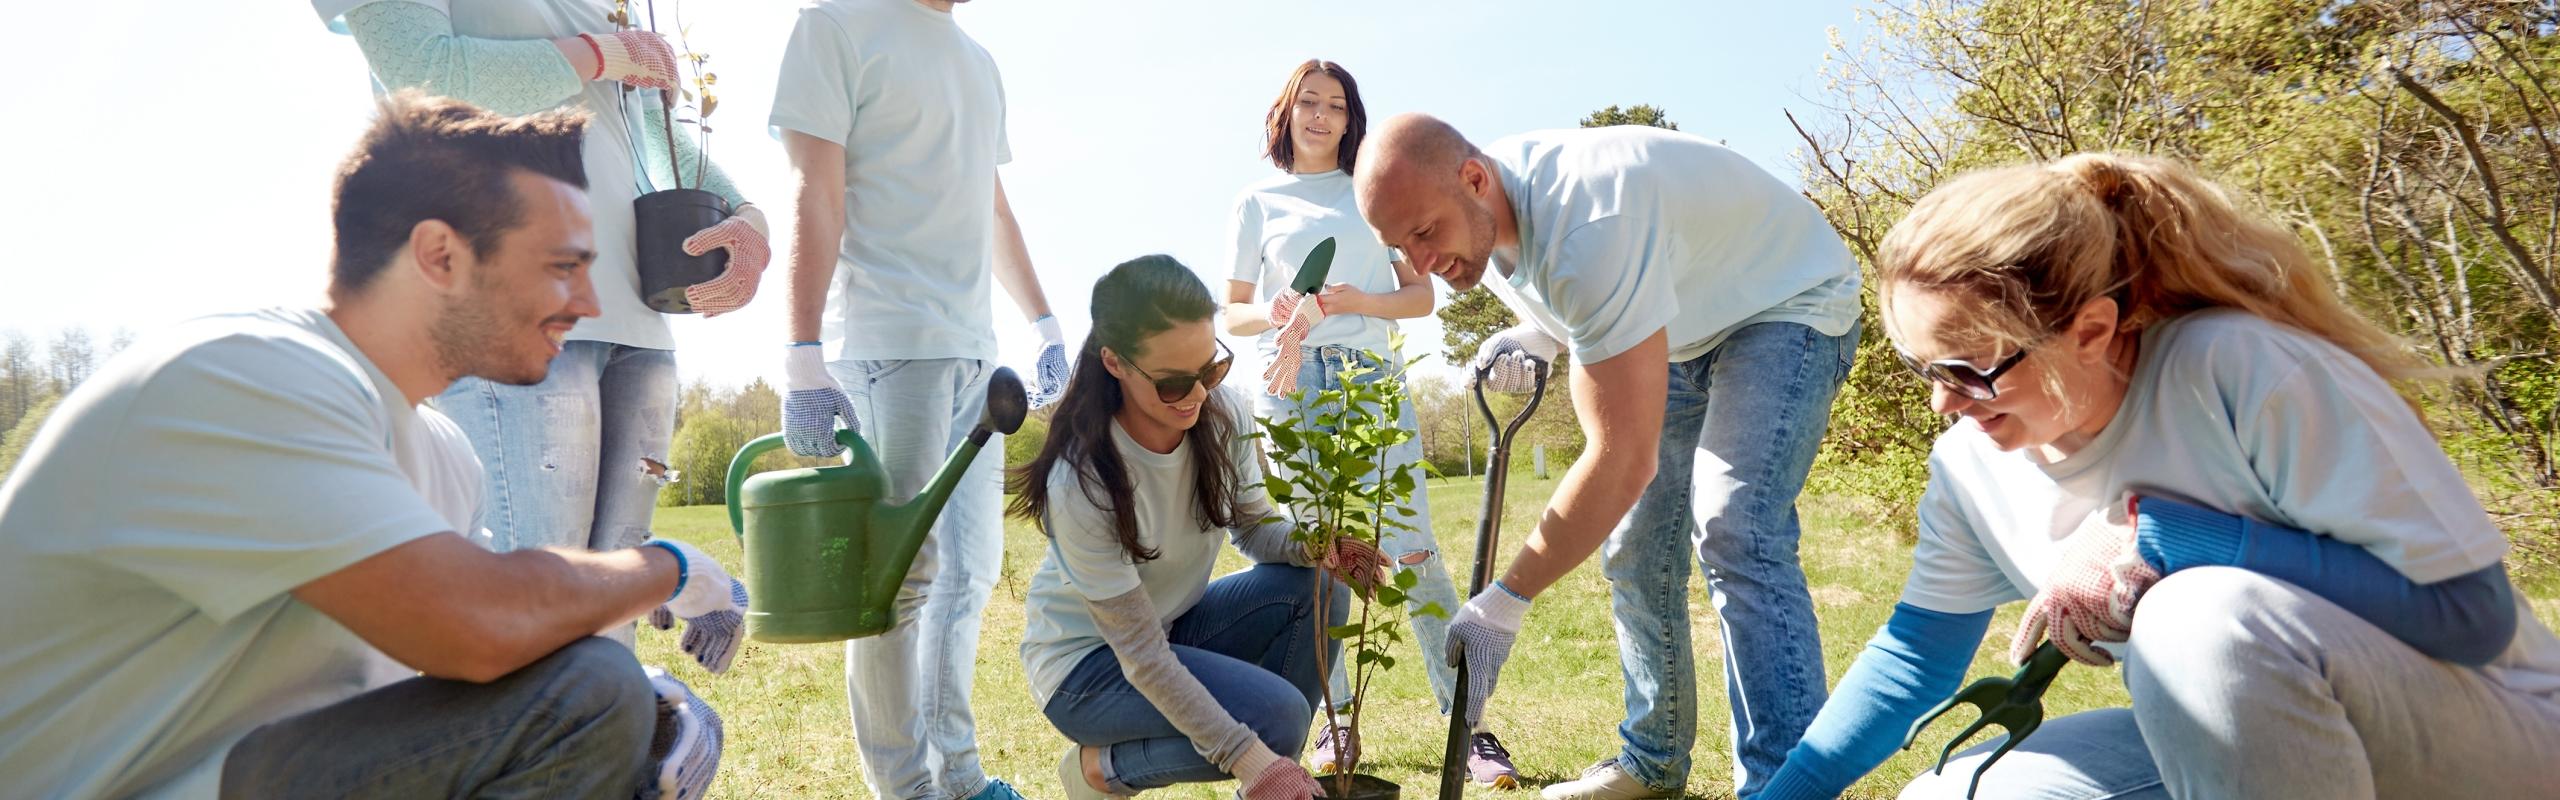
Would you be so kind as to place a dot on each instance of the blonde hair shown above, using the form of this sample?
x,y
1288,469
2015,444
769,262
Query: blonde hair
x,y
2035,242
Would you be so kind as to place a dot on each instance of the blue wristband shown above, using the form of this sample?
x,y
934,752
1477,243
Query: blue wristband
x,y
1497,583
683,570
806,344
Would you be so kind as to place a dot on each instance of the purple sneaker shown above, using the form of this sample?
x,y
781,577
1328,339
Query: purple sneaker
x,y
1335,747
1489,764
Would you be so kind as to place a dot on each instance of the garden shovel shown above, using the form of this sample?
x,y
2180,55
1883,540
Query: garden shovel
x,y
2015,703
1453,764
1311,274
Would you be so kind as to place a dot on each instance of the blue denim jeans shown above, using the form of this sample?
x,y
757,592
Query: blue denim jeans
x,y
576,723
1740,429
1251,641
909,688
1414,549
576,460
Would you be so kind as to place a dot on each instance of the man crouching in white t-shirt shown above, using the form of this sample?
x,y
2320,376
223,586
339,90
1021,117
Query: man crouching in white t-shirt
x,y
229,525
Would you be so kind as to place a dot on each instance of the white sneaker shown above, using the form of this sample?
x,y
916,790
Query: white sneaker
x,y
1606,781
1071,776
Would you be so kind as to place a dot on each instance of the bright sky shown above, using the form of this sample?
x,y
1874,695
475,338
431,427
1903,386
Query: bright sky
x,y
173,159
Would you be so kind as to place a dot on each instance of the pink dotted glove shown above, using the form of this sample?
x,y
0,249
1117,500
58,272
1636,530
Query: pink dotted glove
x,y
1295,314
639,59
2089,595
743,235
1277,779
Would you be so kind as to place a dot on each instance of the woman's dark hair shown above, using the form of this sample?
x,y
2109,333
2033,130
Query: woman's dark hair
x,y
1140,298
1277,122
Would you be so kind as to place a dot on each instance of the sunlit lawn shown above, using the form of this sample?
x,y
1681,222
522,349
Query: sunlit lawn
x,y
1558,707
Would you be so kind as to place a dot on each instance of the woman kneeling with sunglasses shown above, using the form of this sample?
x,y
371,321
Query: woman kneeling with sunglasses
x,y
1158,674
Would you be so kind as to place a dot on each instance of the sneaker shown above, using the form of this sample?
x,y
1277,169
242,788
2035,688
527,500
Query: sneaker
x,y
1606,781
1070,777
997,789
1489,764
1334,748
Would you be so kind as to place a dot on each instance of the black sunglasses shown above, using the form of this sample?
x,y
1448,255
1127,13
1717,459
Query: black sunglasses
x,y
1172,388
1962,376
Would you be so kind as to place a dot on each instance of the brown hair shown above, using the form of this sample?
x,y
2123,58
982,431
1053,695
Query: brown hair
x,y
443,159
2034,242
1276,122
1139,298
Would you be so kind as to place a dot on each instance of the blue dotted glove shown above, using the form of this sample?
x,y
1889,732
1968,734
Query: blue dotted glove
x,y
715,624
1482,633
684,751
1053,368
812,404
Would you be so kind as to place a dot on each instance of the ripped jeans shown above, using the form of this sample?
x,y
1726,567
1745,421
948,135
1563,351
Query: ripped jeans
x,y
576,460
1415,549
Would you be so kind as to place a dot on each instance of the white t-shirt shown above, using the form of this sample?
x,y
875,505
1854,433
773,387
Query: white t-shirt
x,y
609,153
1085,561
149,542
2230,412
1279,220
919,109
1629,230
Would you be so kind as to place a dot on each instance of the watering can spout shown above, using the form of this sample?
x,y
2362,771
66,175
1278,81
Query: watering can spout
x,y
826,549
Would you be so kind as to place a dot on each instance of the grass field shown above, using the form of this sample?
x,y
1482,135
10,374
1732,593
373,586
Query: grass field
x,y
788,734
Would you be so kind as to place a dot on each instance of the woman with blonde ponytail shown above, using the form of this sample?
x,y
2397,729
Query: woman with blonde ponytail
x,y
2165,416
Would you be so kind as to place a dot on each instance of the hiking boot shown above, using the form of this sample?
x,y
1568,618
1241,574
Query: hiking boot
x,y
1606,781
1335,747
1489,764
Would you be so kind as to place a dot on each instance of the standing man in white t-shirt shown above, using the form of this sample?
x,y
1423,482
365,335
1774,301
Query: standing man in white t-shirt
x,y
894,121
1712,315
229,526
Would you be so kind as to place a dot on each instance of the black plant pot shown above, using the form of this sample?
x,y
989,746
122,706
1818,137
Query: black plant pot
x,y
663,220
1363,787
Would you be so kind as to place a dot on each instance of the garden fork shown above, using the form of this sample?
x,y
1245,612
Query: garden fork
x,y
2015,703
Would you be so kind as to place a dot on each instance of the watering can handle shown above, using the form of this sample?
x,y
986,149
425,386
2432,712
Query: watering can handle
x,y
746,458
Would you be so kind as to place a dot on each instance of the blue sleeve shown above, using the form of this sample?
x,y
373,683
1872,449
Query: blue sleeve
x,y
2468,619
1915,661
413,45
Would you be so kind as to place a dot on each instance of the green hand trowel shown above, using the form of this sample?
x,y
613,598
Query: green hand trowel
x,y
1310,278
826,549
2015,703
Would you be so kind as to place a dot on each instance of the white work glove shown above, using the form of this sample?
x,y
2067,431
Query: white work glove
x,y
812,403
1053,369
743,235
1504,359
712,605
684,751
1294,314
639,59
1482,633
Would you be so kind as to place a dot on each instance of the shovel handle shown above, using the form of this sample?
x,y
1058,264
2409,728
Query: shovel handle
x,y
1453,757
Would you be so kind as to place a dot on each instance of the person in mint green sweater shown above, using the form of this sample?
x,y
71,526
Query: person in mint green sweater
x,y
577,459
2180,442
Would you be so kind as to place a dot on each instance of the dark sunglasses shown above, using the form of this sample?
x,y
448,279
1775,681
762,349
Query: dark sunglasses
x,y
1967,379
1172,388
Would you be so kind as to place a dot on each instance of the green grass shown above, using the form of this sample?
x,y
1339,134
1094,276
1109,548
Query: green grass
x,y
1558,708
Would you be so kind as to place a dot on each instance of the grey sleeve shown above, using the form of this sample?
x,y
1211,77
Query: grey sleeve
x,y
1267,541
1128,623
413,44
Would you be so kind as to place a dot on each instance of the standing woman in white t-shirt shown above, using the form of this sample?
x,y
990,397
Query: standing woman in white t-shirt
x,y
2155,381
1312,133
1158,674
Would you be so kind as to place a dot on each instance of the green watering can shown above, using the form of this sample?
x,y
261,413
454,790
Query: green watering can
x,y
826,549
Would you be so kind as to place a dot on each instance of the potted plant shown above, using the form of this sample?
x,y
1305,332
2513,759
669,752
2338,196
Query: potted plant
x,y
663,219
1333,470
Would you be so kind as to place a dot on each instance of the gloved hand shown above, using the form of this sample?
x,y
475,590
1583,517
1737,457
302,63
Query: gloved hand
x,y
743,235
812,403
1294,314
1482,633
1051,382
1354,562
684,754
1507,353
2090,593
1263,775
712,604
639,59
712,639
